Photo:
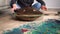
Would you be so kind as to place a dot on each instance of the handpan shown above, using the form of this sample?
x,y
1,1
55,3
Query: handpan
x,y
27,13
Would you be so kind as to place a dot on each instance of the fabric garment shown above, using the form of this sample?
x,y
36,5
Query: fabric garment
x,y
24,3
36,6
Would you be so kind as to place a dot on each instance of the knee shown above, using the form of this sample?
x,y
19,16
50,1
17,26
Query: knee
x,y
38,4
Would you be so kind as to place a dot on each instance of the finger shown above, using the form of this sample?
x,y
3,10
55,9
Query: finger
x,y
12,10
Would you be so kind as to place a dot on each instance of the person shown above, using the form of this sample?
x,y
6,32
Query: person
x,y
18,4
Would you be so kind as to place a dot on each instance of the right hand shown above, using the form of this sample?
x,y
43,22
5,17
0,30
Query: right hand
x,y
43,8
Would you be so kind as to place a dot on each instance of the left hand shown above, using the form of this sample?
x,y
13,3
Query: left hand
x,y
43,8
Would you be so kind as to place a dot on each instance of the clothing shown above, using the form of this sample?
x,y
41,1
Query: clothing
x,y
36,6
24,3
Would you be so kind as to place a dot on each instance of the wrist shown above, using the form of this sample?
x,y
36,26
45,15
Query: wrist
x,y
43,6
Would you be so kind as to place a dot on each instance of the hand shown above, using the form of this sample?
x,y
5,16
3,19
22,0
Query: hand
x,y
43,8
14,7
